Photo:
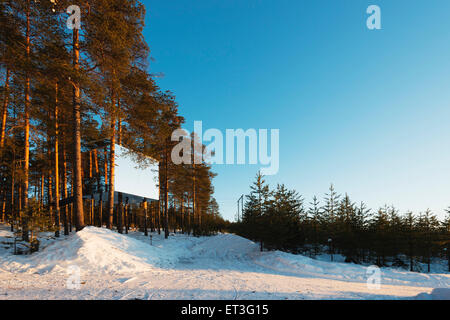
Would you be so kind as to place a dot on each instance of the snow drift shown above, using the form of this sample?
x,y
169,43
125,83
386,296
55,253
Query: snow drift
x,y
93,250
115,265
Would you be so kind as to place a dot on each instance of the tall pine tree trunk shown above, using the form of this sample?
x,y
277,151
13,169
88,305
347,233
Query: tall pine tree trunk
x,y
166,193
100,210
41,195
50,191
99,188
145,208
161,194
106,168
50,179
26,164
91,190
77,167
119,126
12,202
182,214
5,110
112,153
126,216
188,217
120,219
65,194
106,189
57,213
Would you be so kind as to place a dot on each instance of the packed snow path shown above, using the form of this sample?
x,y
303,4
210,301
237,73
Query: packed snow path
x,y
115,266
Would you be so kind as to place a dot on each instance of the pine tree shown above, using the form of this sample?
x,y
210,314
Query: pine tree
x,y
345,229
112,34
255,207
379,230
316,223
11,39
409,222
329,211
282,221
446,235
360,228
427,224
58,84
53,89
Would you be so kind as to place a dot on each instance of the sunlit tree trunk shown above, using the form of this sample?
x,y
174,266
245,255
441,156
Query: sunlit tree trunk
x,y
57,213
112,152
166,193
3,205
5,110
12,202
145,208
182,214
119,127
41,196
119,213
50,189
77,166
26,164
65,194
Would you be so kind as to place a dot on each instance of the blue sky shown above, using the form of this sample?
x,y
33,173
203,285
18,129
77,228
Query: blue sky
x,y
365,110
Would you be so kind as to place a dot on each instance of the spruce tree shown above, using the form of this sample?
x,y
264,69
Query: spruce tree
x,y
255,207
409,222
316,224
329,211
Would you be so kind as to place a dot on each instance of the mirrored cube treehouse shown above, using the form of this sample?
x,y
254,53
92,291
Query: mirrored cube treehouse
x,y
136,188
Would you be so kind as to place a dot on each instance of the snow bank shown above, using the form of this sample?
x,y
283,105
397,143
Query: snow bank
x,y
93,250
303,266
225,247
183,266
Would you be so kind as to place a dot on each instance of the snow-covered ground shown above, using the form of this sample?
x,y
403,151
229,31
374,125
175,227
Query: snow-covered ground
x,y
115,266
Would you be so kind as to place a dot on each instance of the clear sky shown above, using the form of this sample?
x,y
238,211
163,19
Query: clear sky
x,y
366,110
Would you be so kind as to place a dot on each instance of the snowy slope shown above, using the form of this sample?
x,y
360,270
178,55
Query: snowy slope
x,y
115,266
93,249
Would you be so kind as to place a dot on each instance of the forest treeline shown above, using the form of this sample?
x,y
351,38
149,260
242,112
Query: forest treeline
x,y
68,96
280,219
